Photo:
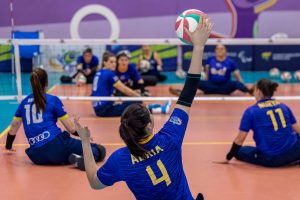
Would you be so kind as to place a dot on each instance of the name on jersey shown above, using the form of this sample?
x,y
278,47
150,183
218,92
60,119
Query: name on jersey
x,y
30,100
149,154
268,104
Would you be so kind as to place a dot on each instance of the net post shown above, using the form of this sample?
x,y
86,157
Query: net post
x,y
18,70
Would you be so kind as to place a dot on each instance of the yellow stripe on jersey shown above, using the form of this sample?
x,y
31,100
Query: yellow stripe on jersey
x,y
17,118
66,116
117,83
147,139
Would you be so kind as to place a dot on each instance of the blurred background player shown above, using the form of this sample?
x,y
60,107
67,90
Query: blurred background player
x,y
87,65
274,131
129,75
151,164
39,113
218,71
106,81
150,66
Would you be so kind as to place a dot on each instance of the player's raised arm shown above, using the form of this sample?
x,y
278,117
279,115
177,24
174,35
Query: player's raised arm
x,y
198,38
89,161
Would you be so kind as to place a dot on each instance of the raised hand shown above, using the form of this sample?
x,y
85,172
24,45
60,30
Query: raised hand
x,y
83,132
201,33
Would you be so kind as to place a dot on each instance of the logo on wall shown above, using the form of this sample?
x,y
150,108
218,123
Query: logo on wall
x,y
266,55
244,58
244,17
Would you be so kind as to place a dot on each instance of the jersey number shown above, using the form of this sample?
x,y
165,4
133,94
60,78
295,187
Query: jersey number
x,y
36,117
95,83
273,119
165,176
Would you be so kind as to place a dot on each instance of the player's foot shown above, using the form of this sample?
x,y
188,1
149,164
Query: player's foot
x,y
77,160
165,109
174,91
102,152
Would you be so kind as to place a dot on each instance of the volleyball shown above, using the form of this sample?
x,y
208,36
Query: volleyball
x,y
297,75
203,75
80,80
274,72
188,19
286,76
180,73
145,66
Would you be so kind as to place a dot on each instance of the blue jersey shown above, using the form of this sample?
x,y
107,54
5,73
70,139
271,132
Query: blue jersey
x,y
130,76
94,62
220,71
160,175
153,65
103,85
271,122
40,128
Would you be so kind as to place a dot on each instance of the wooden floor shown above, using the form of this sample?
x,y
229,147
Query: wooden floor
x,y
211,129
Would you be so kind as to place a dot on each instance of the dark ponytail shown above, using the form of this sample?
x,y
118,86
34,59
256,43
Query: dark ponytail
x,y
39,82
267,87
132,130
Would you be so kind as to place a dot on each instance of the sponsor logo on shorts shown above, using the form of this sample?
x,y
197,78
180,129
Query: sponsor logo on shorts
x,y
39,138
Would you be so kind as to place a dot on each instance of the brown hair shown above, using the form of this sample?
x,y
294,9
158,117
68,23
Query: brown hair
x,y
88,50
105,57
267,87
134,121
39,82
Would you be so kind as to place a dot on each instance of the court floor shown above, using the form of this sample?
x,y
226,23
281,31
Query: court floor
x,y
209,135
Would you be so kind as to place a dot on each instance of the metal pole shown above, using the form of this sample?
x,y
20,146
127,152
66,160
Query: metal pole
x,y
18,70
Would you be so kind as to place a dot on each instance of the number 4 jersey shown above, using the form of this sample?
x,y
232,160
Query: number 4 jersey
x,y
160,174
40,128
271,122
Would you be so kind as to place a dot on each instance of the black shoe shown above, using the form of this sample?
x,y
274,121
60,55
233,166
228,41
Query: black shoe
x,y
77,160
200,197
102,152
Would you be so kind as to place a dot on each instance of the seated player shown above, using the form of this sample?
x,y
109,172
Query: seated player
x,y
151,164
150,66
129,75
218,70
218,75
39,113
106,81
274,131
87,65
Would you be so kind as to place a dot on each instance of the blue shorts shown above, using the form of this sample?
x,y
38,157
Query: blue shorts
x,y
111,109
58,150
253,156
209,87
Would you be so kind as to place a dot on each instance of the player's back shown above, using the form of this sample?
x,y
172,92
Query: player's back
x,y
40,127
102,85
160,174
272,126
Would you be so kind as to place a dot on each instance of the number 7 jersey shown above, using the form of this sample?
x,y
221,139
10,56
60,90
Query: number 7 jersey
x,y
40,128
160,174
271,122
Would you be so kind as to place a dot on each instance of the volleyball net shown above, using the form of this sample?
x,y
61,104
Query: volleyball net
x,y
59,57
